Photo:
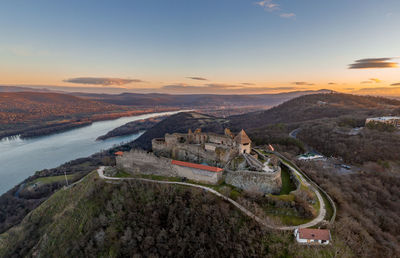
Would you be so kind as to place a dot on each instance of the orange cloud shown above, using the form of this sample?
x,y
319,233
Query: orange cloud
x,y
370,63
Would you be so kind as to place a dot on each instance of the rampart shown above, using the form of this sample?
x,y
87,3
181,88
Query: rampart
x,y
142,162
255,181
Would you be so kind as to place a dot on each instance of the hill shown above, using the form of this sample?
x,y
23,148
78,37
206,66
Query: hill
x,y
97,219
195,100
38,113
367,200
22,106
317,106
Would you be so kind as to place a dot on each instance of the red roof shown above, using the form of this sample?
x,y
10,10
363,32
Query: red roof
x,y
194,165
119,153
316,234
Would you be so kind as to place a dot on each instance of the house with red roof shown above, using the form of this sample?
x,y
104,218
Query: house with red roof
x,y
312,236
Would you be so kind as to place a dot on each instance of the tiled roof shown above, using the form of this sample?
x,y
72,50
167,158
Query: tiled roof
x,y
119,153
194,165
316,234
242,138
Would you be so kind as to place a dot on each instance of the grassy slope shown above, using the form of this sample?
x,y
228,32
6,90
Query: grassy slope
x,y
107,220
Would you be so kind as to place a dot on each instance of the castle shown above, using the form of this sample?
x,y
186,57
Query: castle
x,y
206,158
210,148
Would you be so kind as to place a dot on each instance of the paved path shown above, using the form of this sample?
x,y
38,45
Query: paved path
x,y
315,221
322,209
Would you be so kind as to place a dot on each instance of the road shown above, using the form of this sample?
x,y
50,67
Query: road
x,y
314,222
322,209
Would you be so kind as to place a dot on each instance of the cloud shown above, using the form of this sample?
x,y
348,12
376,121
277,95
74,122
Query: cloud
x,y
376,80
101,81
268,5
247,83
370,63
271,6
197,78
303,83
332,83
381,90
372,80
287,15
395,84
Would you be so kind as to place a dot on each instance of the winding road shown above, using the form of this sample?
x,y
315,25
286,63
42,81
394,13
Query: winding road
x,y
314,222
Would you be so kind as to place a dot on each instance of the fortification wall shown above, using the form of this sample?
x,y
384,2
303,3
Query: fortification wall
x,y
198,175
255,181
142,162
198,154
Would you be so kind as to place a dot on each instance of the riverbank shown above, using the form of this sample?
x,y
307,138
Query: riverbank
x,y
45,128
132,128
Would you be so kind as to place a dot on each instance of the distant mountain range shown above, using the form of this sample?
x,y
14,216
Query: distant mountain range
x,y
196,99
189,100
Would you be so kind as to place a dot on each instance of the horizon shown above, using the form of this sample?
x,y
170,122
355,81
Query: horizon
x,y
217,47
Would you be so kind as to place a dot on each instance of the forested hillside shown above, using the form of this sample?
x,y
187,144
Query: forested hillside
x,y
95,219
318,106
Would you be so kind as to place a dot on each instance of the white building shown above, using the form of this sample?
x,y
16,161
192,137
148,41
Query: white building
x,y
312,236
393,120
310,156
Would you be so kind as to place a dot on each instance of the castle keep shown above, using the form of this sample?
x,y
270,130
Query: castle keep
x,y
207,158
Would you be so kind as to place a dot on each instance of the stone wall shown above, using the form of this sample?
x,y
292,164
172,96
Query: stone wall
x,y
255,181
198,175
142,162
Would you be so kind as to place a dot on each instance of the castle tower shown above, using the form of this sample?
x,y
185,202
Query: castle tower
x,y
228,133
243,141
190,136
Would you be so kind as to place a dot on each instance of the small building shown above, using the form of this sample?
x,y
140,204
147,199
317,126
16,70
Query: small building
x,y
391,120
310,156
312,236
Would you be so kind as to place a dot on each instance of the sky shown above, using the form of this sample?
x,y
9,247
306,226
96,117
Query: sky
x,y
202,46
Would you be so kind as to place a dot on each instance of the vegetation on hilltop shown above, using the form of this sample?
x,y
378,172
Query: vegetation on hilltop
x,y
18,107
368,145
95,219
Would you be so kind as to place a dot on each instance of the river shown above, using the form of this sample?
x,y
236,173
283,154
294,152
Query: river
x,y
21,158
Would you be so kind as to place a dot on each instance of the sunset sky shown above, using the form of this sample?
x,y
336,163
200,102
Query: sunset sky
x,y
203,46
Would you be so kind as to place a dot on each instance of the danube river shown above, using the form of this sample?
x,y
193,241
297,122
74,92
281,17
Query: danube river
x,y
21,158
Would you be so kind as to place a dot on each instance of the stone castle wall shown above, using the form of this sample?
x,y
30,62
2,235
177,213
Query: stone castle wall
x,y
255,181
142,162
